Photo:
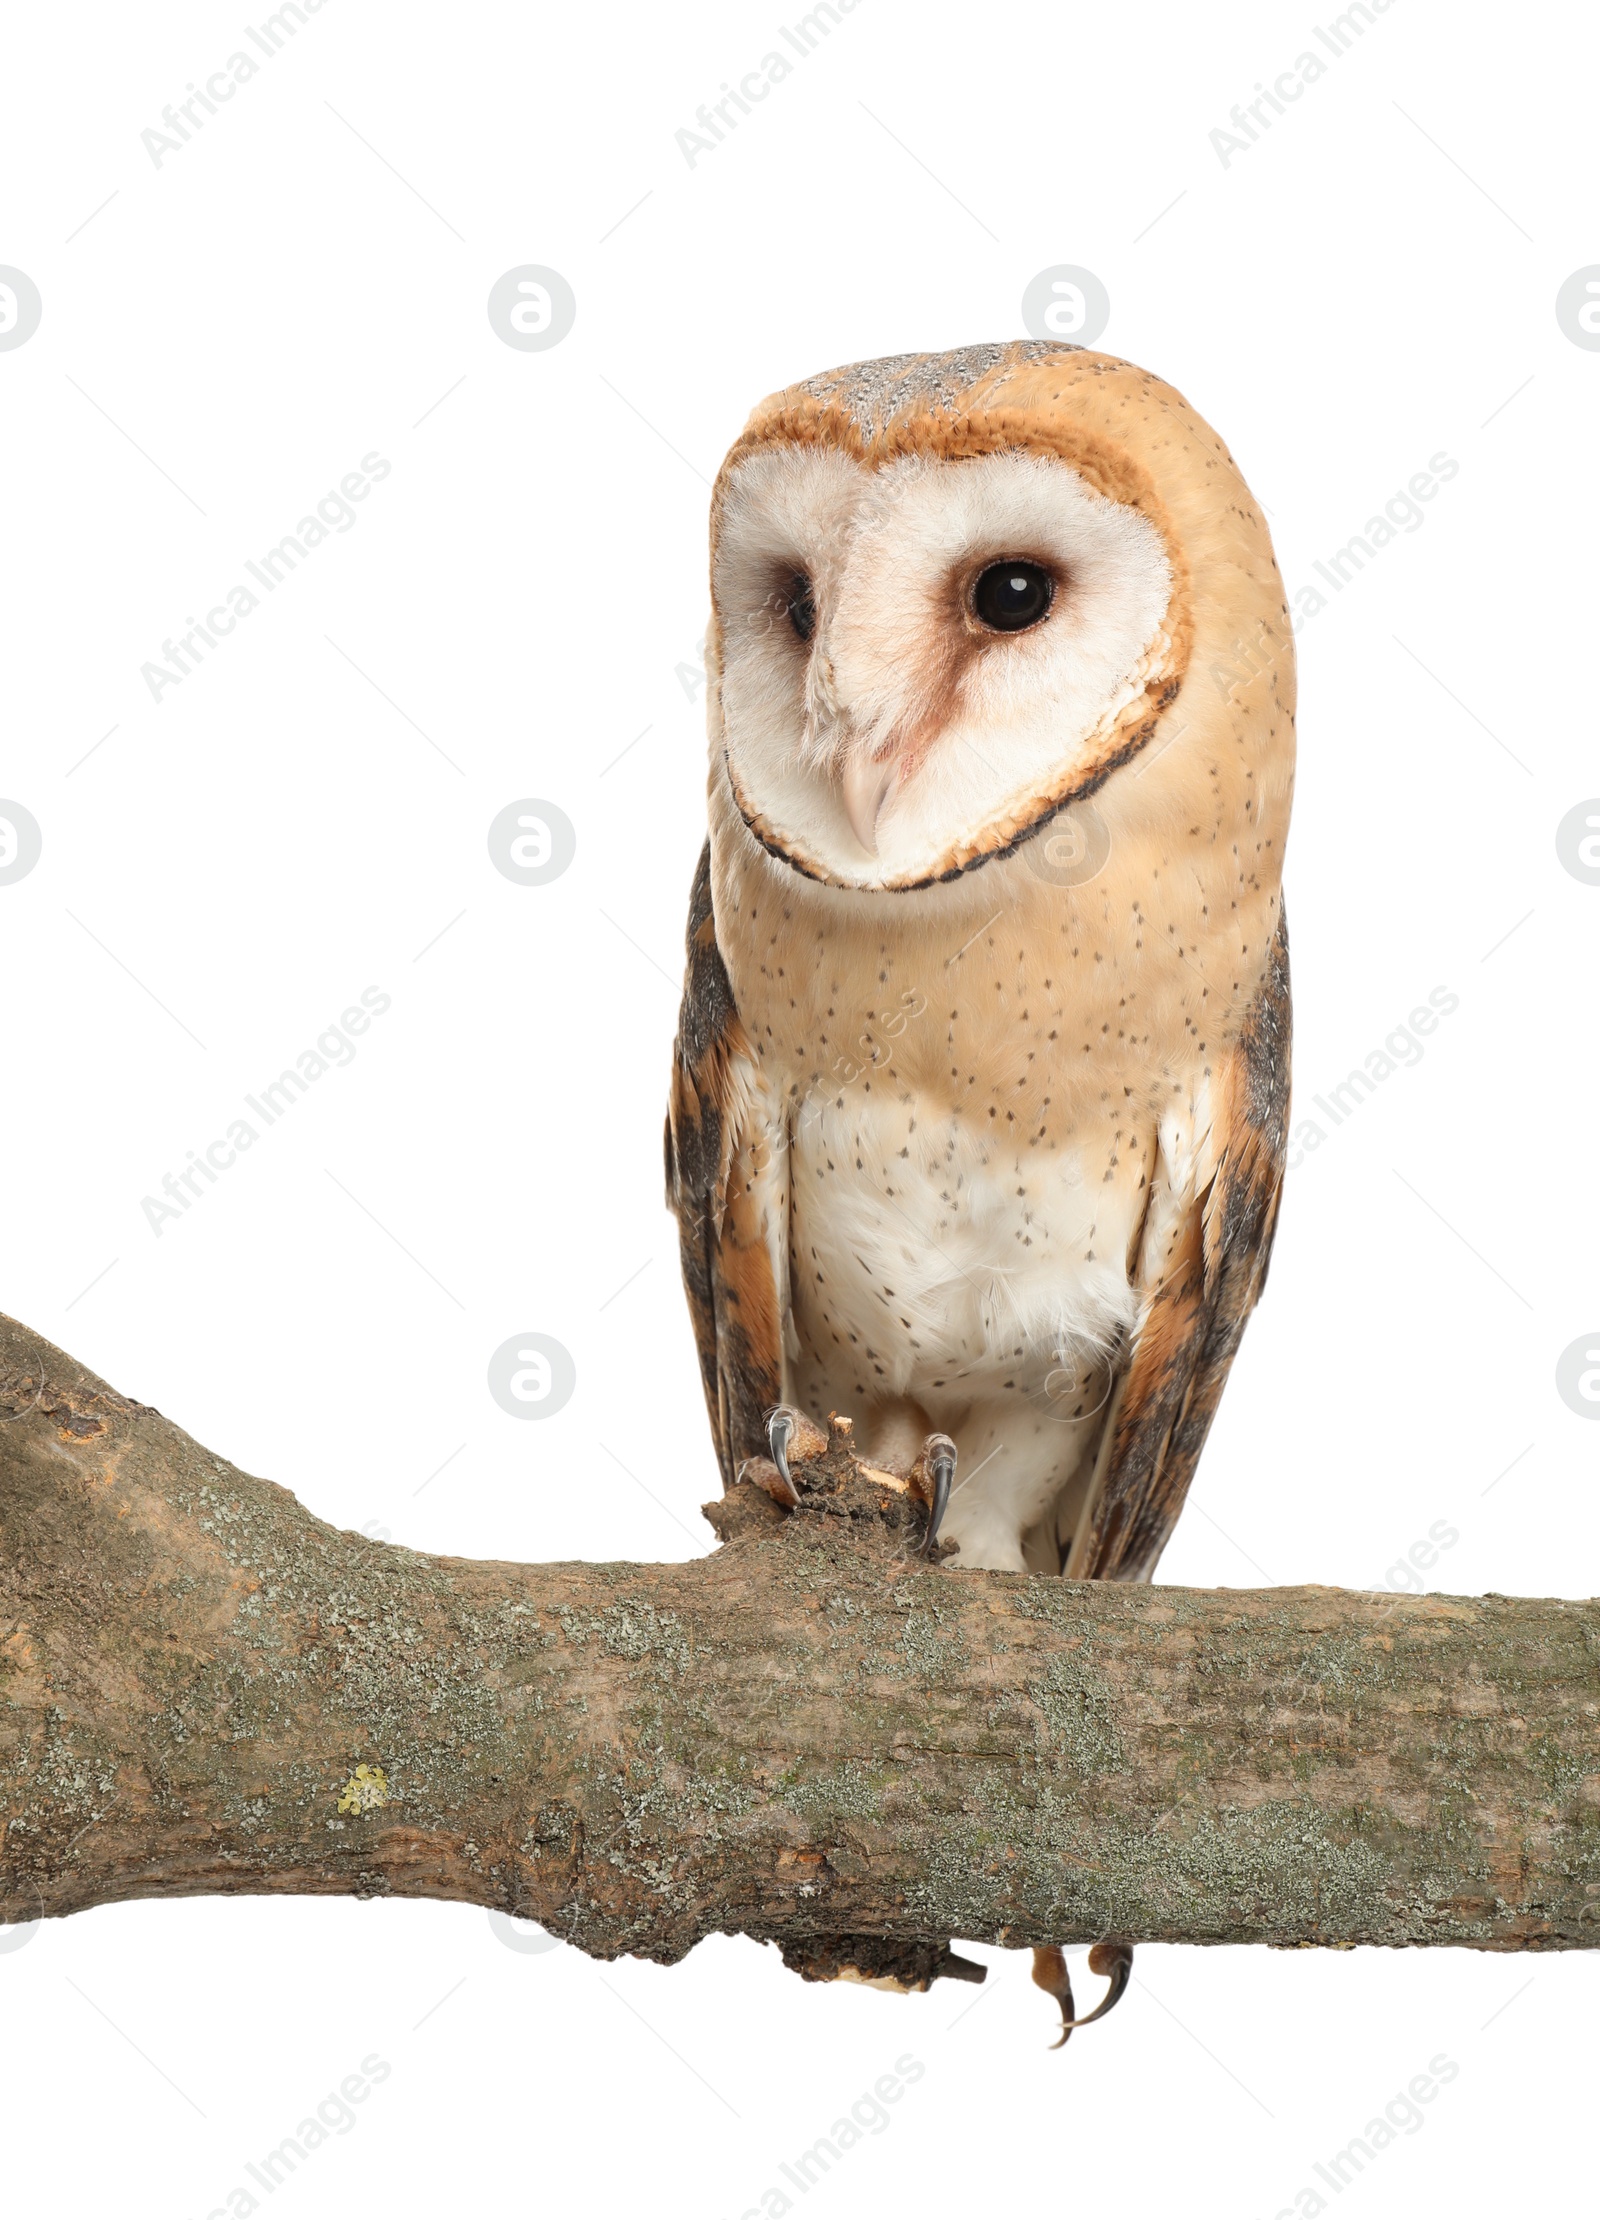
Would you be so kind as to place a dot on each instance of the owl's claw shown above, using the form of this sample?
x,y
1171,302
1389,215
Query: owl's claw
x,y
787,1429
780,1427
1113,1960
938,1463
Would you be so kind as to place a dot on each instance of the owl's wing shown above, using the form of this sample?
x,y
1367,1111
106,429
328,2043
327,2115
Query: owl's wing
x,y
727,1172
1205,1263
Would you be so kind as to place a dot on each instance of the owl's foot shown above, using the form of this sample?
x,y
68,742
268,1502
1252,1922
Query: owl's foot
x,y
1114,1960
789,1434
931,1478
786,1425
824,1474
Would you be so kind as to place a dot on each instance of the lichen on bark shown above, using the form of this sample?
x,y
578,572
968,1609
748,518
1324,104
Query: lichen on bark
x,y
811,1736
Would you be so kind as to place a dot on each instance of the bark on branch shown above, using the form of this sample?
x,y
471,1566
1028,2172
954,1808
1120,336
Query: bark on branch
x,y
808,1735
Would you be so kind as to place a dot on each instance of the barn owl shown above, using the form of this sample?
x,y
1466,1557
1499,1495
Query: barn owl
x,y
977,1115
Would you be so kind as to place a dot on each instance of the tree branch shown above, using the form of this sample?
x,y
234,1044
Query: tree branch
x,y
809,1735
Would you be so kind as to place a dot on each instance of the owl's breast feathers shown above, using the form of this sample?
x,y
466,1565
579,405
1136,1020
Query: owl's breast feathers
x,y
1186,1096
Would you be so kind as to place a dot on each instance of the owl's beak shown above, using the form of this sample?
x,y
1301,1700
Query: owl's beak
x,y
866,777
865,787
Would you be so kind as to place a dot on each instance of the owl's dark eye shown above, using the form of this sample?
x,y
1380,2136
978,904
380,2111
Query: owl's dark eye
x,y
1011,596
802,608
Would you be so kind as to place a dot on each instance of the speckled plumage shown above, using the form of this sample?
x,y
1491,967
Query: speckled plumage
x,y
870,393
960,1136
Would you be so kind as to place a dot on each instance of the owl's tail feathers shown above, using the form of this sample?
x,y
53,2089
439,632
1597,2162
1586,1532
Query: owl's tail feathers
x,y
1112,1960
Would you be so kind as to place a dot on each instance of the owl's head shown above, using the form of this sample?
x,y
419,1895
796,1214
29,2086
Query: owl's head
x,y
951,594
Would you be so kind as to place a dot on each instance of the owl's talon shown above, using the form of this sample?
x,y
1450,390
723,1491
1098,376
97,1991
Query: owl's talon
x,y
780,1427
936,1469
1112,1960
789,1429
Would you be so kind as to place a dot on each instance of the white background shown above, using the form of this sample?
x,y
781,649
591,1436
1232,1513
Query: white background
x,y
1371,283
